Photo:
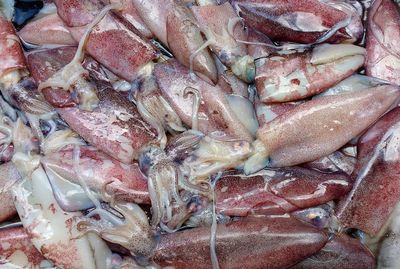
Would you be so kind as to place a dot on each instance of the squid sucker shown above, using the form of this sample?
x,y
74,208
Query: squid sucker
x,y
203,134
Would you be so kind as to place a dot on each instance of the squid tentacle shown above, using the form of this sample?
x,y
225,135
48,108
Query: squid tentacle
x,y
196,106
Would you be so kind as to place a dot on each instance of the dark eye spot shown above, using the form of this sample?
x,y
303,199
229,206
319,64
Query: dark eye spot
x,y
295,81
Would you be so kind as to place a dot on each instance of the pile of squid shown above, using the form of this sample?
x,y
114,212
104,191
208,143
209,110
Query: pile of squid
x,y
200,134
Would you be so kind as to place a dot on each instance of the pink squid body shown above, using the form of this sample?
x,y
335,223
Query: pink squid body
x,y
376,178
8,176
273,238
301,21
111,43
98,169
49,30
383,41
17,251
278,191
321,126
11,55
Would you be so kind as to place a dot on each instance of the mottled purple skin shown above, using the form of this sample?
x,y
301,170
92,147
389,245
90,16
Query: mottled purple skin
x,y
267,240
301,21
11,53
111,42
13,242
341,252
383,41
215,113
121,138
8,176
377,177
279,191
99,169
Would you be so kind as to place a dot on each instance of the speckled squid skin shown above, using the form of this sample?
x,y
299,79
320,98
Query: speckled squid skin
x,y
98,169
28,99
383,43
321,126
285,78
111,43
341,252
268,112
114,126
154,14
376,178
278,191
8,176
301,21
130,14
184,39
17,251
214,113
49,29
77,13
230,83
273,238
216,18
337,161
256,50
11,55
43,64
52,230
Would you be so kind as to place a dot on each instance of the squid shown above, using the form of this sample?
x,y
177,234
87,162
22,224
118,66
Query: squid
x,y
382,43
280,191
377,163
307,22
235,239
199,133
280,144
297,76
220,25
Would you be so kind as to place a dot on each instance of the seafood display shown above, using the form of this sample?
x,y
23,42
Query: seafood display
x,y
200,134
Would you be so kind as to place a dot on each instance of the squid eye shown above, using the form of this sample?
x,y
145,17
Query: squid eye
x,y
148,157
183,144
195,203
145,163
318,216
